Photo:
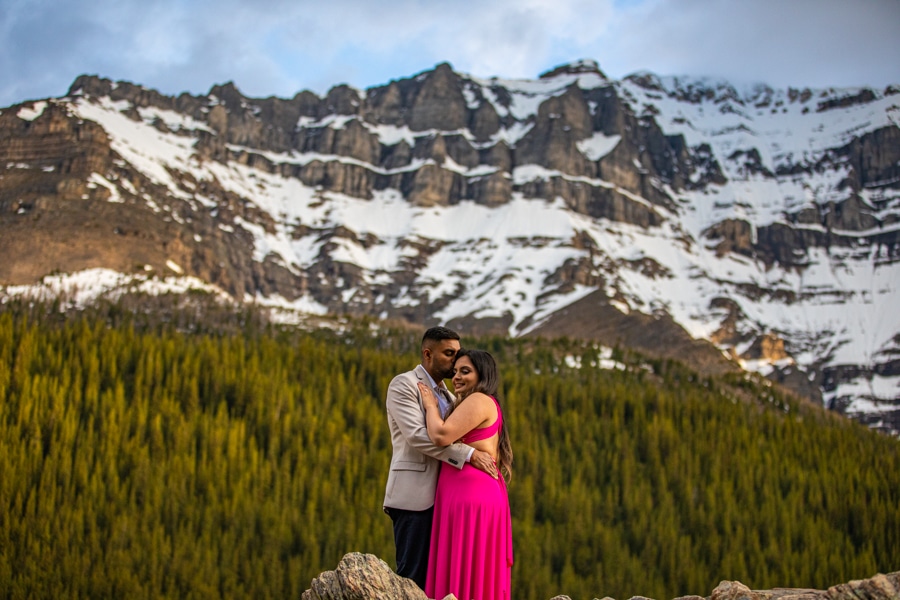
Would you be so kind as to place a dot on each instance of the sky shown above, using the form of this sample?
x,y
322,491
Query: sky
x,y
281,47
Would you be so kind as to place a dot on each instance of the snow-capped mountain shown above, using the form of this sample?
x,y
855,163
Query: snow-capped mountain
x,y
680,216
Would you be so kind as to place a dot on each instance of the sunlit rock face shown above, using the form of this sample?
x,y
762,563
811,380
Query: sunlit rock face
x,y
730,228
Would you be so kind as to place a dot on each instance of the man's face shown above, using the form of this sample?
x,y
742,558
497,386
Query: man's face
x,y
437,358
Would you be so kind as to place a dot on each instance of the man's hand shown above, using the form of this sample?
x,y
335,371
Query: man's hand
x,y
483,461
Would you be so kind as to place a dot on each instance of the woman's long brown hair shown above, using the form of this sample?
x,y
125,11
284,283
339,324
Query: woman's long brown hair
x,y
489,383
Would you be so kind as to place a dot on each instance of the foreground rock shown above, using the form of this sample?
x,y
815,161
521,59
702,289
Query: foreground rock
x,y
364,576
360,576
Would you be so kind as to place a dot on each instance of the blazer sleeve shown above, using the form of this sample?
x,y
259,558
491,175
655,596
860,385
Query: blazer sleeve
x,y
405,408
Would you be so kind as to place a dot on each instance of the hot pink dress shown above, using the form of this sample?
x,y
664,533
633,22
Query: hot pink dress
x,y
471,552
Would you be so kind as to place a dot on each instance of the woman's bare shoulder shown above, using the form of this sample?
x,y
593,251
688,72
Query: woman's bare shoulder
x,y
480,399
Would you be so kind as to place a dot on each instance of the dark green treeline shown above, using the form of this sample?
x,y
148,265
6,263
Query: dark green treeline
x,y
142,461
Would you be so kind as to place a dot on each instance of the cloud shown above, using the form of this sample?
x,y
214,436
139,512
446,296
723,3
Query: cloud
x,y
782,42
283,46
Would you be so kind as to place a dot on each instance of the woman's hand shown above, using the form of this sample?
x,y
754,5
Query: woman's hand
x,y
428,399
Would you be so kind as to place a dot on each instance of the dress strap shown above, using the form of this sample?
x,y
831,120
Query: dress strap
x,y
482,433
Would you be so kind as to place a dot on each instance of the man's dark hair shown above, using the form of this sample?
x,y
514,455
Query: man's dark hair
x,y
439,334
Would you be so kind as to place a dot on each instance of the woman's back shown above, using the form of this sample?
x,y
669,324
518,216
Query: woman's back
x,y
487,437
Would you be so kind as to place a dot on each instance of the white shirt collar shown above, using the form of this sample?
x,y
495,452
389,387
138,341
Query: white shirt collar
x,y
430,378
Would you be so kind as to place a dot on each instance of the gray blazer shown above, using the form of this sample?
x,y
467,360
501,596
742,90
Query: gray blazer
x,y
416,460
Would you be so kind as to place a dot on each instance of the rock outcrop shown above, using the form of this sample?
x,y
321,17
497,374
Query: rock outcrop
x,y
367,577
360,577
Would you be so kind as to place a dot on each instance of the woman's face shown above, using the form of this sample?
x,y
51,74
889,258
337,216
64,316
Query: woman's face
x,y
465,378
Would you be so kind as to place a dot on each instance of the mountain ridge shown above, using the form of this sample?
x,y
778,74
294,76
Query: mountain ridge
x,y
752,220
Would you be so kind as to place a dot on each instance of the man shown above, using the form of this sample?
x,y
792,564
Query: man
x,y
409,497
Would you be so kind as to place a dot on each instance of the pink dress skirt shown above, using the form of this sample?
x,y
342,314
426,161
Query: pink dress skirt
x,y
471,553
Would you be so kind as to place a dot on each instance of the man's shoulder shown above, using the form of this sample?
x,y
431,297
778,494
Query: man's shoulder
x,y
415,374
407,377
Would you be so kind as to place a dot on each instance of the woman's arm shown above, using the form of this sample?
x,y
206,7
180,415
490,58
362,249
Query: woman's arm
x,y
475,411
405,417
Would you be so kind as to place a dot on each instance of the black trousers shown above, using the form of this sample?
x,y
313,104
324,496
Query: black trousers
x,y
412,538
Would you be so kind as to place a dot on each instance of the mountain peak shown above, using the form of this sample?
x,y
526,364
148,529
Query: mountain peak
x,y
585,65
90,85
227,93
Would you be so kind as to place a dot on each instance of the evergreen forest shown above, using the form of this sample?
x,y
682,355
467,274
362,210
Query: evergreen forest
x,y
210,454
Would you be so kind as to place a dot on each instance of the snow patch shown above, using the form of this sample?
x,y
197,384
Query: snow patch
x,y
598,145
30,113
83,288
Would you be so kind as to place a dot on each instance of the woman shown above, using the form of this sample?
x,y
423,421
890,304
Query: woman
x,y
471,538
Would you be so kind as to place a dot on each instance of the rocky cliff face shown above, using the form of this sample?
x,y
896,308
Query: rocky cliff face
x,y
364,576
734,229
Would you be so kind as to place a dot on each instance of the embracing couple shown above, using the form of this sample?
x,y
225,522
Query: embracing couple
x,y
446,492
